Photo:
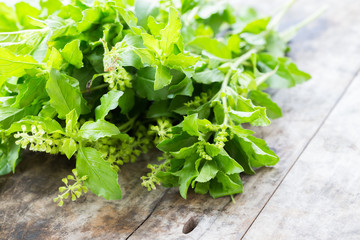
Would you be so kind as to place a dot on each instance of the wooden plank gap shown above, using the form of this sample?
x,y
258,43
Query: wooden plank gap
x,y
149,215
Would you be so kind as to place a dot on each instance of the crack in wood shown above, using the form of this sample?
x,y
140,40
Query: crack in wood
x,y
151,212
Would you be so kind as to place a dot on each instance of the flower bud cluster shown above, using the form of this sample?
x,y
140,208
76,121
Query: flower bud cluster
x,y
118,79
162,130
150,180
221,137
198,100
201,151
75,190
39,140
118,152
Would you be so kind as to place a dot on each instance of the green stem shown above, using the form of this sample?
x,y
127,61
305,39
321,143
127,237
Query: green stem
x,y
288,34
276,19
95,88
225,82
128,125
233,66
226,117
243,58
26,31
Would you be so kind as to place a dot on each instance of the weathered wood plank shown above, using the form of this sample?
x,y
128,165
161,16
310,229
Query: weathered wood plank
x,y
27,210
320,197
320,49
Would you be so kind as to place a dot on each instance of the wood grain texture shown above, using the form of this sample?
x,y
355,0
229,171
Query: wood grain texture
x,y
320,197
328,49
322,50
27,211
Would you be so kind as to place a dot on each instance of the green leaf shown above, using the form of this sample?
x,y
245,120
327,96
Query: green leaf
x,y
183,88
49,125
24,11
190,125
63,96
225,185
167,179
219,112
258,152
24,42
212,150
30,92
15,66
69,147
90,16
68,11
187,5
263,99
127,101
287,75
47,111
127,52
209,76
144,85
251,117
130,19
227,164
207,172
9,156
212,46
102,180
177,142
72,53
234,43
7,19
71,122
185,152
147,56
154,26
99,129
235,150
151,43
257,26
162,77
8,115
159,109
202,188
275,45
55,59
243,110
51,5
171,33
109,101
144,8
186,175
181,61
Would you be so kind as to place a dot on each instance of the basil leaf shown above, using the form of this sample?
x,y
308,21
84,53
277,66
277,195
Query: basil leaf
x,y
63,96
15,66
72,54
102,180
109,102
99,129
9,156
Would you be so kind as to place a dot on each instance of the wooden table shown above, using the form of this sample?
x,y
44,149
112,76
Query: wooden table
x,y
313,193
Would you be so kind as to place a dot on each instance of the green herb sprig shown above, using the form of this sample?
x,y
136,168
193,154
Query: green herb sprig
x,y
104,81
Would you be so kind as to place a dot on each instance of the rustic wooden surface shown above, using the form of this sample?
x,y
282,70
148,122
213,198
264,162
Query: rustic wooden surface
x,y
312,193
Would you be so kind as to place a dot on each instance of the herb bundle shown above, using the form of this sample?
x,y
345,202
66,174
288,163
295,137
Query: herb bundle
x,y
104,81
